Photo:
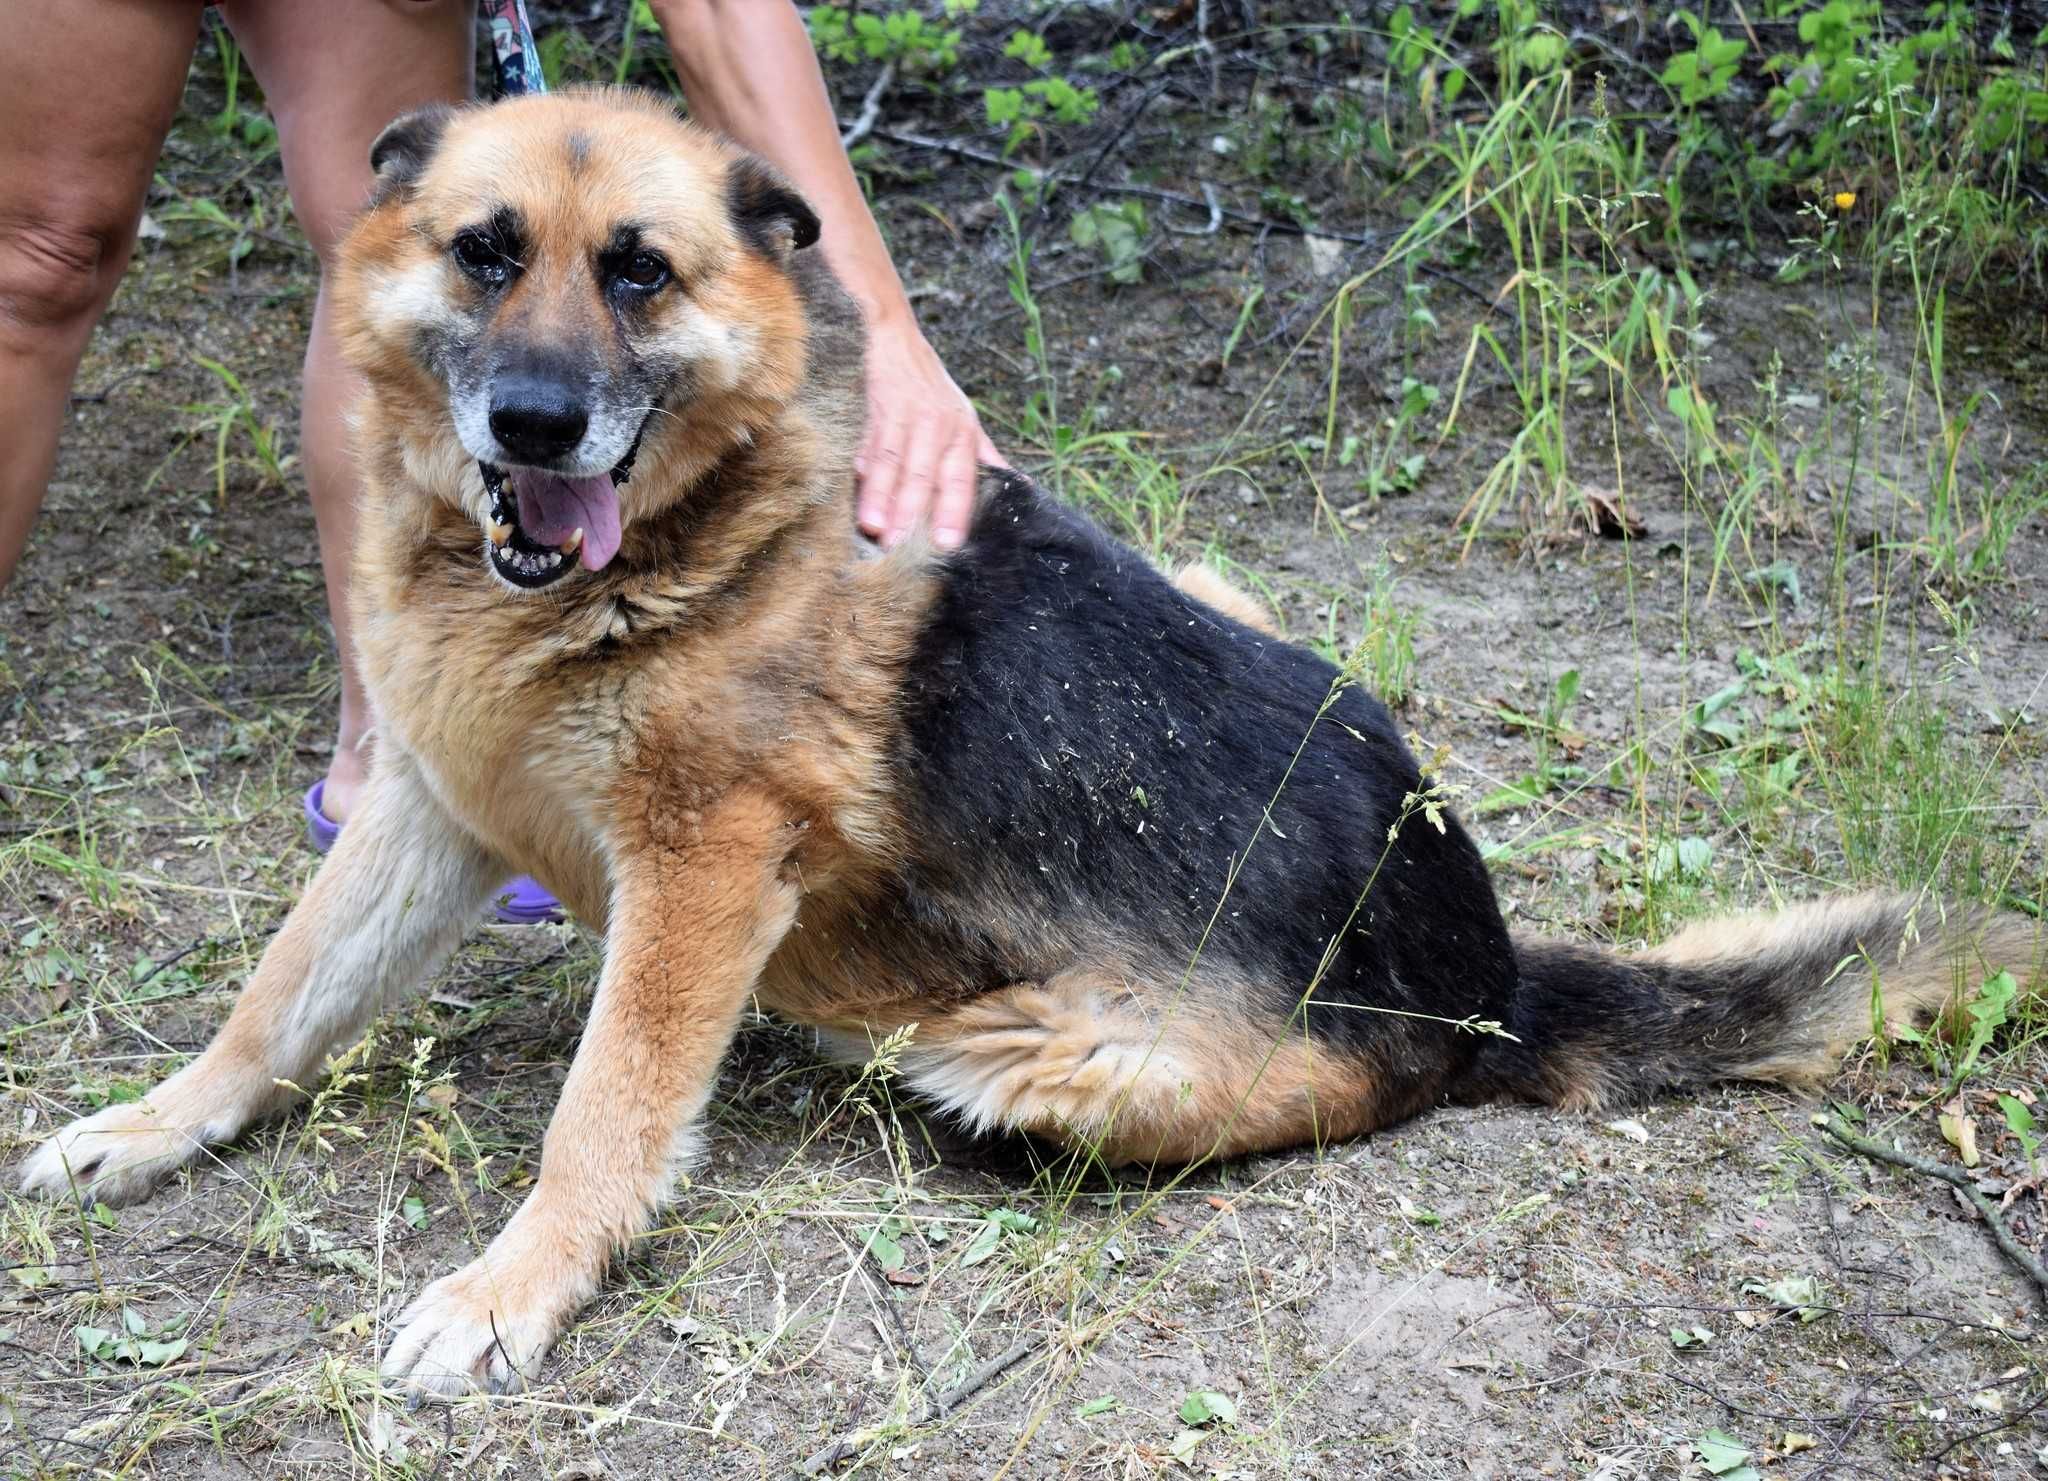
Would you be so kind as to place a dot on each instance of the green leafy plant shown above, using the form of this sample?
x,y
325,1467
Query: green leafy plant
x,y
1207,1406
2020,1121
236,412
903,38
1290,205
1988,1012
134,1342
1024,110
1030,49
1116,233
1388,647
204,211
1552,741
2011,109
1724,1457
1040,419
1419,58
884,1243
1386,466
252,131
1704,72
1001,1224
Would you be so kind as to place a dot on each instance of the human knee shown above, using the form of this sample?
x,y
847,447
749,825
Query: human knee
x,y
58,267
326,198
329,174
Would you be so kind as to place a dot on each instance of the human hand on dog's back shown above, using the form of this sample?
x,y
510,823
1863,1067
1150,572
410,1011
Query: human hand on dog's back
x,y
748,71
922,444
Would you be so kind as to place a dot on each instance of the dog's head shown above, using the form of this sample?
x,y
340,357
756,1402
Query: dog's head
x,y
582,277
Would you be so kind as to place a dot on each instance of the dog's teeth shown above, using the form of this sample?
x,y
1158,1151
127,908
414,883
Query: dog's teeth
x,y
574,543
499,533
553,560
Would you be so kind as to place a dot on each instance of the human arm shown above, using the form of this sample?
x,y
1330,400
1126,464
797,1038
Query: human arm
x,y
749,71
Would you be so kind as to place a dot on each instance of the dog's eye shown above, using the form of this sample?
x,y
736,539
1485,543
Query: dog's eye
x,y
477,255
643,271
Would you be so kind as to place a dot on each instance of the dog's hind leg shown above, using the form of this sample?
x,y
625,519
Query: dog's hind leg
x,y
697,910
402,885
1140,1072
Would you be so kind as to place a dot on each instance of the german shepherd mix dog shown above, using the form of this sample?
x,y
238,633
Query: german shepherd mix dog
x,y
1134,874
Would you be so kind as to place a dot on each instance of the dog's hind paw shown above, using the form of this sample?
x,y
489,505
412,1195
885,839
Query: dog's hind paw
x,y
482,1329
114,1156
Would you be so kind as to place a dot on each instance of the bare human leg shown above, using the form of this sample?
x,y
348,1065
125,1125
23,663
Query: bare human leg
x,y
76,152
334,75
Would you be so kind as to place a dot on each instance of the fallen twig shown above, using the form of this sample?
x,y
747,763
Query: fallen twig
x,y
981,1377
1217,211
1147,192
1875,1151
870,108
105,393
1215,216
939,1407
1123,130
1971,1437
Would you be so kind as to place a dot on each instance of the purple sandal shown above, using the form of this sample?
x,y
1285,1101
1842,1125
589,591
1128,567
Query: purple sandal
x,y
522,902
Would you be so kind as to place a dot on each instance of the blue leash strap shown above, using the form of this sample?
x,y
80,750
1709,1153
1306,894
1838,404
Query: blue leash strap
x,y
513,52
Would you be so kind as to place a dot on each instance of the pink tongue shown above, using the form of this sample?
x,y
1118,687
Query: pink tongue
x,y
552,508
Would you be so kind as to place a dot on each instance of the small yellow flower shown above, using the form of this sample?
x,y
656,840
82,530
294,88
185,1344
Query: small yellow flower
x,y
1844,199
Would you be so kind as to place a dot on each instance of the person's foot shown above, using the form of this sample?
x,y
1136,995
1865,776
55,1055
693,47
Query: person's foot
x,y
346,772
523,901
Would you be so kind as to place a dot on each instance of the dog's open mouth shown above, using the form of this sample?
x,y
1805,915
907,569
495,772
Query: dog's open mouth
x,y
543,525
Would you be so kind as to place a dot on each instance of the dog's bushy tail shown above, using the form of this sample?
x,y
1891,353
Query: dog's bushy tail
x,y
1779,996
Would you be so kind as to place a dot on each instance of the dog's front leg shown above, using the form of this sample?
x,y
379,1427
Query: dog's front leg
x,y
402,885
700,901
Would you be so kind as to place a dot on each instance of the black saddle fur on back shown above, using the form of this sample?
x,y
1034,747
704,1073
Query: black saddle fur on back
x,y
1087,755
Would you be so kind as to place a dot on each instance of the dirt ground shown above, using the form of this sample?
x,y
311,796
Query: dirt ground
x,y
1490,1292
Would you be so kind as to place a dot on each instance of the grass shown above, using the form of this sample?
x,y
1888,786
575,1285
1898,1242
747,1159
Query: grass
x,y
1664,489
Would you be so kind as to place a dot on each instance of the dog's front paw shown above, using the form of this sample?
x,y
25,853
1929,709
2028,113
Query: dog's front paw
x,y
484,1328
114,1156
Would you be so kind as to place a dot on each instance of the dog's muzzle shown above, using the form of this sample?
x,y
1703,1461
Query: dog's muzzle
x,y
542,525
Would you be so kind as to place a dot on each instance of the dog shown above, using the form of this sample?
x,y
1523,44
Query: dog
x,y
1115,865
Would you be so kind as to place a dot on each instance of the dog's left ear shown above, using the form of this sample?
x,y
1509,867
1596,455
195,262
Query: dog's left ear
x,y
764,205
403,149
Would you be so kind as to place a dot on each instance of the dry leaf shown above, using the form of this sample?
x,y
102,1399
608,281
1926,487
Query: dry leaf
x,y
1611,517
1959,1128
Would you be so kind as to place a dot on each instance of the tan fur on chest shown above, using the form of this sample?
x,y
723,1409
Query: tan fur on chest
x,y
561,733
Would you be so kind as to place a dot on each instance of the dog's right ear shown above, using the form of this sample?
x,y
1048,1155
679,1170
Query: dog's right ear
x,y
764,205
404,148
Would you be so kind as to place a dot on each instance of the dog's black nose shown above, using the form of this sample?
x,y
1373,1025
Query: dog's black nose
x,y
536,420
